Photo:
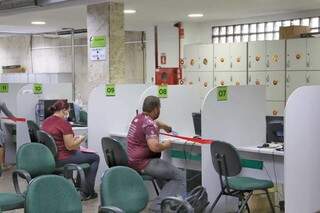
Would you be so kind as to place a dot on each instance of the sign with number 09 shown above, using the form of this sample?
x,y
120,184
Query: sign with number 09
x,y
222,93
110,90
163,91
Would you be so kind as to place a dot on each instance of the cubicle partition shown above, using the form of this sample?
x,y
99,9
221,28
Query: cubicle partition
x,y
27,101
302,150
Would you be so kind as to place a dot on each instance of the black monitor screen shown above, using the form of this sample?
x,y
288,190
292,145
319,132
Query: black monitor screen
x,y
72,115
274,129
196,116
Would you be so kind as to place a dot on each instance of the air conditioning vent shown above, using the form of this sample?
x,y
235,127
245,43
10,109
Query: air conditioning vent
x,y
14,4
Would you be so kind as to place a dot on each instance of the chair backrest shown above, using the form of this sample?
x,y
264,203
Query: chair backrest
x,y
47,140
124,188
36,159
33,129
228,157
51,194
114,152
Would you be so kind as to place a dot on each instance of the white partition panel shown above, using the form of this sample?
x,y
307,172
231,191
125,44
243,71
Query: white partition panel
x,y
27,100
110,116
177,108
302,150
240,121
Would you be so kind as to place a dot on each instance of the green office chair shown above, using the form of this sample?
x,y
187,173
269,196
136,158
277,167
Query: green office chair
x,y
116,155
10,201
47,140
123,188
51,194
33,129
226,162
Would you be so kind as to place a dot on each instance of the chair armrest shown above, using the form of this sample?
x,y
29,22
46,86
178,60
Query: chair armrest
x,y
22,174
80,172
181,203
110,209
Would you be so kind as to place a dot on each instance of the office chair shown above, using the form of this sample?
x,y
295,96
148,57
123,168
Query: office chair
x,y
11,201
51,194
175,205
123,188
33,129
226,162
116,155
47,140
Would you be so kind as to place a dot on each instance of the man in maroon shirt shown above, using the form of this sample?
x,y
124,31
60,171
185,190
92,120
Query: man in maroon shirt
x,y
144,152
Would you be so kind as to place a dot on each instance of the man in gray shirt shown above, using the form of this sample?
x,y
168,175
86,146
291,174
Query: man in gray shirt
x,y
6,111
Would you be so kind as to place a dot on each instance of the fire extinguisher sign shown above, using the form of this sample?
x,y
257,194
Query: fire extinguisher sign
x,y
163,91
110,90
163,58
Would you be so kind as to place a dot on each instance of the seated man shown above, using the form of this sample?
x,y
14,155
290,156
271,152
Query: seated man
x,y
144,152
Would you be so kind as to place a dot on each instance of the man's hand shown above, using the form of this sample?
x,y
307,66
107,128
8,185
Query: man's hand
x,y
165,127
166,144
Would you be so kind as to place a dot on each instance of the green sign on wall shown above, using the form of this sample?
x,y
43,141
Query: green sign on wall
x,y
163,91
110,90
98,41
222,93
4,88
37,88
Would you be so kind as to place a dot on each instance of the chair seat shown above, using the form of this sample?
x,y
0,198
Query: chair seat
x,y
248,183
10,201
83,166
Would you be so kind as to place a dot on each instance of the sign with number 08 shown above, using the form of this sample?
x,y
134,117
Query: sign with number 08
x,y
110,90
4,88
222,93
163,91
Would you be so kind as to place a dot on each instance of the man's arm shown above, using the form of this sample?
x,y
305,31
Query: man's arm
x,y
164,126
155,146
5,110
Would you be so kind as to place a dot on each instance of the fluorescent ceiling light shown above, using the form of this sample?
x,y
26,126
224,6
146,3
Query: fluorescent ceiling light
x,y
129,11
195,15
38,22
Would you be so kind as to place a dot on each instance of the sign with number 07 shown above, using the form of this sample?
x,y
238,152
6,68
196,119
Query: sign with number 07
x,y
222,93
110,90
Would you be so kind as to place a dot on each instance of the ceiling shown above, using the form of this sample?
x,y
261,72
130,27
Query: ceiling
x,y
151,12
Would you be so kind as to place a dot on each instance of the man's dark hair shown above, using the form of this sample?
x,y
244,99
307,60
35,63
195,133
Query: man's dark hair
x,y
150,103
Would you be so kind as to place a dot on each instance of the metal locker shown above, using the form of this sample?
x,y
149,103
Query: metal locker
x,y
275,53
238,78
295,80
313,52
256,56
313,78
297,54
192,78
191,58
275,108
275,86
238,56
222,79
205,57
257,78
221,57
206,83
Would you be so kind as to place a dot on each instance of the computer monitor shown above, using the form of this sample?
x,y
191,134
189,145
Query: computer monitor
x,y
72,114
274,129
196,116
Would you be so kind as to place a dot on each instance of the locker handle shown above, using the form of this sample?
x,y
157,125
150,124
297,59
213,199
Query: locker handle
x,y
231,65
268,63
308,64
288,78
307,78
308,60
215,78
249,78
250,64
268,78
288,63
231,78
215,65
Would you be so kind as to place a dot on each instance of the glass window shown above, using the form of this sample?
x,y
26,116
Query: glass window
x,y
314,22
305,22
295,22
277,26
269,27
216,40
253,28
261,37
230,30
261,28
237,29
276,36
223,39
216,31
237,38
245,38
269,36
245,28
286,23
253,37
315,30
230,39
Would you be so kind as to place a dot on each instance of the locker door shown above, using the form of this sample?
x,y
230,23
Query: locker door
x,y
221,57
190,57
206,83
313,61
238,56
297,54
256,56
295,80
222,79
313,78
192,78
275,86
275,108
238,78
206,57
275,55
257,78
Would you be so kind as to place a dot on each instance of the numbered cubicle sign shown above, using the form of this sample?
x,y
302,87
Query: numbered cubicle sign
x,y
110,90
222,93
37,89
163,91
4,88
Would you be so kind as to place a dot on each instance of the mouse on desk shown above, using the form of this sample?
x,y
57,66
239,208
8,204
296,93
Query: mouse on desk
x,y
265,145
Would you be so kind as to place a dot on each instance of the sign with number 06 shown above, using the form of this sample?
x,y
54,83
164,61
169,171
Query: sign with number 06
x,y
110,90
163,91
222,93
